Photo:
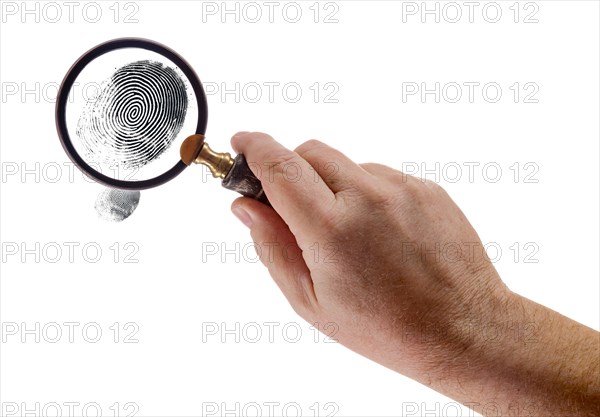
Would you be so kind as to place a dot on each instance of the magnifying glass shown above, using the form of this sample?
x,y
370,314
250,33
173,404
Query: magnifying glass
x,y
131,114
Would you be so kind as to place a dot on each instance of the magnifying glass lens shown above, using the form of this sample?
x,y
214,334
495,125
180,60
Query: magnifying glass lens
x,y
128,112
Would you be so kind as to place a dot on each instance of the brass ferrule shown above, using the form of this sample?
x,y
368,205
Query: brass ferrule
x,y
218,163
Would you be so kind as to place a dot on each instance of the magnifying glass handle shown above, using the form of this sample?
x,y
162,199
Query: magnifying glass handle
x,y
235,172
240,178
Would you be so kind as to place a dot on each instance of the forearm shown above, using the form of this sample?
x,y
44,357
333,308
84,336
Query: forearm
x,y
527,361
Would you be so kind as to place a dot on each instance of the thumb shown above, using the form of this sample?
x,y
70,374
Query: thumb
x,y
278,250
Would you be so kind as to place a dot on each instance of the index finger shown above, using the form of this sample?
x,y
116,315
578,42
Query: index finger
x,y
292,186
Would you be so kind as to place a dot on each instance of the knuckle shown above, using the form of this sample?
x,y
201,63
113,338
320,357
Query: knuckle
x,y
308,147
434,186
261,135
376,168
400,190
309,144
415,188
277,161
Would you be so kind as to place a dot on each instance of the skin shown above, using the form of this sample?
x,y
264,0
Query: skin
x,y
395,267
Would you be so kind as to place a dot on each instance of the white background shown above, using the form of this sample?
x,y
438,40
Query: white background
x,y
172,297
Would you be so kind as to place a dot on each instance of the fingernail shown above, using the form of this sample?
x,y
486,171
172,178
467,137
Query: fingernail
x,y
240,134
243,216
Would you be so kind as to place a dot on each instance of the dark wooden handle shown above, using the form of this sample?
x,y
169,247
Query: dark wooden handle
x,y
241,179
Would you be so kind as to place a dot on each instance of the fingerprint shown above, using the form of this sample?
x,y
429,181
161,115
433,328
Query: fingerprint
x,y
116,205
135,117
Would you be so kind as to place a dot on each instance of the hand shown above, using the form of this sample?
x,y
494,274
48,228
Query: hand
x,y
396,265
384,255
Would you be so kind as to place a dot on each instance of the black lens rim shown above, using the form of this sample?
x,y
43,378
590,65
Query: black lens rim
x,y
73,73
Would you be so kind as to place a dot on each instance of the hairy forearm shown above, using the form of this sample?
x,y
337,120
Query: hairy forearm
x,y
527,361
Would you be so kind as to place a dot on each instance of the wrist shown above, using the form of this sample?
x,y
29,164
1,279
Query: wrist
x,y
481,332
483,350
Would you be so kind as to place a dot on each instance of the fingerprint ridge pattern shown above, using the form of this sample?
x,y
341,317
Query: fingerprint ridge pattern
x,y
136,116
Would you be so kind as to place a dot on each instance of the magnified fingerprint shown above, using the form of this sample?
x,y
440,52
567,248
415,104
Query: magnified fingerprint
x,y
135,117
116,205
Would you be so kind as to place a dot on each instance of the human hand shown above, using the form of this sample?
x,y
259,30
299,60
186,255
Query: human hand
x,y
384,255
396,266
